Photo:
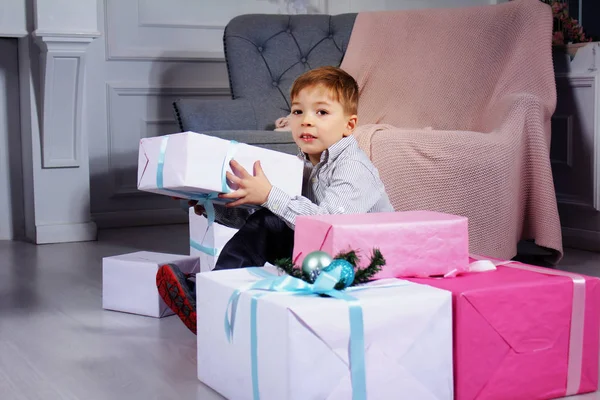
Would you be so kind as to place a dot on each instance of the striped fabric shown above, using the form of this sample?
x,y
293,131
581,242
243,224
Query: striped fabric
x,y
343,182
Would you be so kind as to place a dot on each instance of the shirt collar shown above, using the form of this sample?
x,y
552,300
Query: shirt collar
x,y
333,152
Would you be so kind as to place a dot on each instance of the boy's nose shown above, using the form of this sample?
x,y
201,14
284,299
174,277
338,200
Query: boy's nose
x,y
307,121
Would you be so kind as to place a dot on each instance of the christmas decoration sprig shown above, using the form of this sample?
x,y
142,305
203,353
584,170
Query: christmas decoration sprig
x,y
318,261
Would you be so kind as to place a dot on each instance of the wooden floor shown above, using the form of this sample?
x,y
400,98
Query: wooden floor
x,y
56,342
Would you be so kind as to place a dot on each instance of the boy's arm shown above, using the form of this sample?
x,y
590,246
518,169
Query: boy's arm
x,y
353,190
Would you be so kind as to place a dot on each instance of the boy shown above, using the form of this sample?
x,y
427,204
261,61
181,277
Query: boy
x,y
338,178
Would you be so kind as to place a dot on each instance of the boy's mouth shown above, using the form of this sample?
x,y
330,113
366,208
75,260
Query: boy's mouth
x,y
307,137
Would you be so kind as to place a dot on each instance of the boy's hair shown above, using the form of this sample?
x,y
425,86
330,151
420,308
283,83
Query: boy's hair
x,y
342,85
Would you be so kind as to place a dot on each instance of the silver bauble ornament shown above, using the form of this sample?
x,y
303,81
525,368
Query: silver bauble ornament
x,y
314,263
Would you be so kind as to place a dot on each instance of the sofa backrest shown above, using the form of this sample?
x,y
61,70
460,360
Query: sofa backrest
x,y
265,53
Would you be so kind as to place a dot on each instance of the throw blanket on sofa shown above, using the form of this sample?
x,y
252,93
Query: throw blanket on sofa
x,y
454,111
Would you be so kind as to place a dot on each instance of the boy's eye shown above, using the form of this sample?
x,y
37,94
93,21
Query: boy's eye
x,y
322,112
296,112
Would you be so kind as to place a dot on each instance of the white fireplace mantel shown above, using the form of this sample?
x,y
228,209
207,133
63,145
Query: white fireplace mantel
x,y
13,21
52,51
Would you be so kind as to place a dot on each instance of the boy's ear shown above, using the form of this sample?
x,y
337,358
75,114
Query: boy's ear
x,y
351,125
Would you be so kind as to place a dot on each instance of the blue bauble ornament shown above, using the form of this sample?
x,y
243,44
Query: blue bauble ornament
x,y
346,271
314,263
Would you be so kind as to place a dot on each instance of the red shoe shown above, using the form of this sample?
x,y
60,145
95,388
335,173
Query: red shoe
x,y
173,288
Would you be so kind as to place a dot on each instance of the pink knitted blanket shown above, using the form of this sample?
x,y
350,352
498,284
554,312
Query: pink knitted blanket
x,y
455,108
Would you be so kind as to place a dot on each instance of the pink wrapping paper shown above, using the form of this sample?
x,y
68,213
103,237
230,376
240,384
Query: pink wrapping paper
x,y
512,333
413,243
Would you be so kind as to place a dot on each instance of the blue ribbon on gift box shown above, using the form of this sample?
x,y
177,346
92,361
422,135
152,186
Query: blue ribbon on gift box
x,y
204,199
211,251
324,285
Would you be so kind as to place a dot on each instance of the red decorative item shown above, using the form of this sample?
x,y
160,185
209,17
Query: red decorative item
x,y
566,29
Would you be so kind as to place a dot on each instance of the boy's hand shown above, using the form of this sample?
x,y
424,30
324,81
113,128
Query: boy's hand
x,y
251,189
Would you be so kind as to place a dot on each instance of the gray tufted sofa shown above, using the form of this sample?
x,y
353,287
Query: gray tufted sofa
x,y
265,53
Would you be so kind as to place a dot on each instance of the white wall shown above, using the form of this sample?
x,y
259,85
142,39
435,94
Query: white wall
x,y
11,185
152,52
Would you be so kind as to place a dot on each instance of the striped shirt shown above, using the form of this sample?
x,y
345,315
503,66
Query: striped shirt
x,y
343,182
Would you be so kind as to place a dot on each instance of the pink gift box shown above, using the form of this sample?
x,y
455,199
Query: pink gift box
x,y
413,243
520,334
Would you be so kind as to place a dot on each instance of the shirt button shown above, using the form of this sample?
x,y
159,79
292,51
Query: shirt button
x,y
275,207
314,180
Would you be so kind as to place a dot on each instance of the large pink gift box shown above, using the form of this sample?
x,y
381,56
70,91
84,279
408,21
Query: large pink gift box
x,y
413,243
523,332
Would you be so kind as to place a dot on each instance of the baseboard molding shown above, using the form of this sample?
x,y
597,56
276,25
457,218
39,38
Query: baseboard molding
x,y
122,219
63,233
581,239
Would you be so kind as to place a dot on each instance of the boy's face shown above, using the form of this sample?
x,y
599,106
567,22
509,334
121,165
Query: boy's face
x,y
318,121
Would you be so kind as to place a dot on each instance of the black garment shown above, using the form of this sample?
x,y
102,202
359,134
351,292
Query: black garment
x,y
263,238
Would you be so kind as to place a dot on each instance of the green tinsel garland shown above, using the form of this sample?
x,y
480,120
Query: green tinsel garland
x,y
361,275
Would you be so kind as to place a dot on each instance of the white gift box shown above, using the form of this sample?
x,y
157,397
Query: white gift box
x,y
195,164
303,341
129,281
206,242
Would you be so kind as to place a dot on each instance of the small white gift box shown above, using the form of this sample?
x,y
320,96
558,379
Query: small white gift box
x,y
190,164
206,242
299,346
129,281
